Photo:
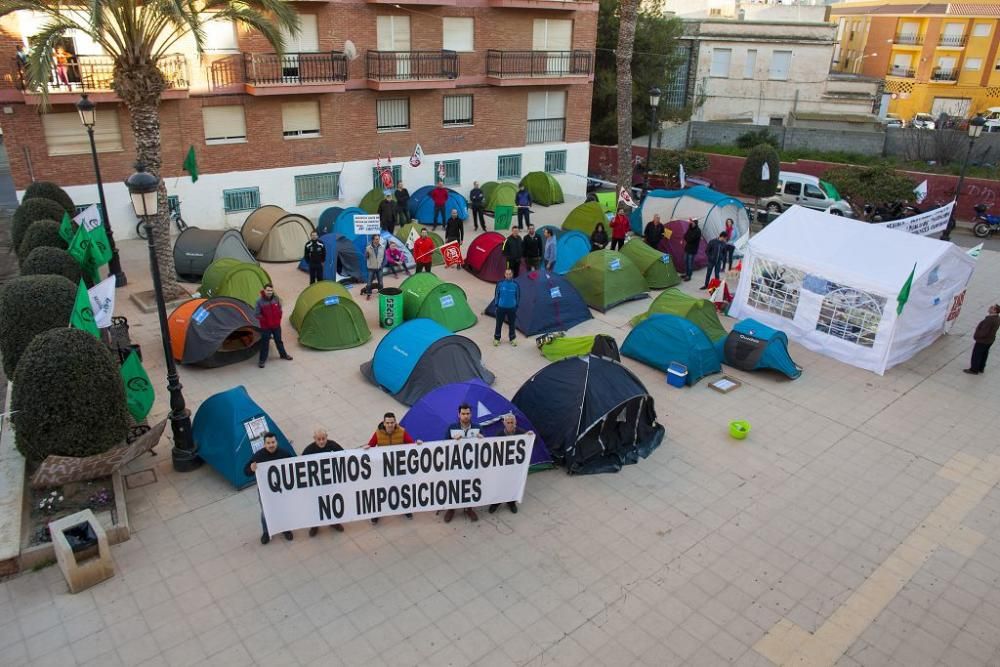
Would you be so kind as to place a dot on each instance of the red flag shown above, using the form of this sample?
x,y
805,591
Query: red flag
x,y
452,253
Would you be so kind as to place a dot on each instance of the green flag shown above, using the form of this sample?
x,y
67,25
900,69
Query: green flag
x,y
82,317
66,228
904,293
91,220
191,165
139,393
80,249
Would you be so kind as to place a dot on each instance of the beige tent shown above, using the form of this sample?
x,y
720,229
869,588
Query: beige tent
x,y
274,235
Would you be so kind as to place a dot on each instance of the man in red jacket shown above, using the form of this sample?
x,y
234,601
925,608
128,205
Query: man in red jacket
x,y
439,196
268,312
620,226
423,251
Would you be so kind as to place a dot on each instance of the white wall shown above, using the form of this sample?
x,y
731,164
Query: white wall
x,y
201,202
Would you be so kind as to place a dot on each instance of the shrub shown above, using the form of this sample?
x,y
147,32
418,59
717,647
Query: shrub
x,y
28,212
46,260
752,138
49,190
750,177
30,305
68,397
41,233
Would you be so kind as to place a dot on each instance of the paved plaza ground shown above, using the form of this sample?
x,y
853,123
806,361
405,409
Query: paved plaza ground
x,y
859,524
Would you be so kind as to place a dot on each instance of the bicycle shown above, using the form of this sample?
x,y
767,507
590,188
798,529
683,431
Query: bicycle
x,y
175,216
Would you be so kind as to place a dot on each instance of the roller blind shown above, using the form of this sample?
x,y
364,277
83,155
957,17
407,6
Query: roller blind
x,y
300,118
720,62
65,135
552,35
546,104
393,33
457,34
458,109
224,124
781,61
220,35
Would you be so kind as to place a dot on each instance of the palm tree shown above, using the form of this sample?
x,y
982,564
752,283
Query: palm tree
x,y
627,16
137,34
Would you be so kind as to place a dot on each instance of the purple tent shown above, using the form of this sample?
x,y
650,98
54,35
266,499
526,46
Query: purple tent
x,y
430,417
675,246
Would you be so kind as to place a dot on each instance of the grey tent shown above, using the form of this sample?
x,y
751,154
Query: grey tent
x,y
196,248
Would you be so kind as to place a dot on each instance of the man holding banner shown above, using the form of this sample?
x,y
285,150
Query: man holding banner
x,y
462,429
266,454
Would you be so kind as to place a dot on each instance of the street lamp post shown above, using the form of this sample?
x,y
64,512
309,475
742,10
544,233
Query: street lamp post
x,y
654,103
975,129
143,188
88,116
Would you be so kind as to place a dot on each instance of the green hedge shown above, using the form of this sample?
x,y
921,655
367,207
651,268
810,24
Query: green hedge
x,y
68,397
30,211
30,305
45,260
49,190
41,233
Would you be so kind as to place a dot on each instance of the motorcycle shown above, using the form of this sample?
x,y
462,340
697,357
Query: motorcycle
x,y
985,223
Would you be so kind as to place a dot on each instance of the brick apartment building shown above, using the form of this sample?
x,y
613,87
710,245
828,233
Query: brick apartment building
x,y
493,89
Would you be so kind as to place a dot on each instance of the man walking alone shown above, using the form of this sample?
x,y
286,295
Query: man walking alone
x,y
985,335
507,297
268,312
314,255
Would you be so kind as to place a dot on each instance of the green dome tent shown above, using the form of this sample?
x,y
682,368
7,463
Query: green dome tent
x,y
699,311
235,279
543,188
585,217
327,318
657,267
426,295
404,234
606,278
499,194
371,200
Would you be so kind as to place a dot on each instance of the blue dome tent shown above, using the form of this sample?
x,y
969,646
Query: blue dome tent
x,y
342,258
661,339
549,303
345,221
430,417
571,247
420,355
709,206
422,208
361,241
327,219
751,346
220,433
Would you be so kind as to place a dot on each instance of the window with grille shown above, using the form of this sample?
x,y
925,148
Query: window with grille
x,y
850,314
65,135
316,187
546,117
555,162
452,172
224,124
775,288
509,166
397,175
241,199
300,119
457,110
392,115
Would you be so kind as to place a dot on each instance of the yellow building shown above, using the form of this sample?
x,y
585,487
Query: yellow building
x,y
935,58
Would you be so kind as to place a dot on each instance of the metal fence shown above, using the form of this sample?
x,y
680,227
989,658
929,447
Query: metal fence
x,y
538,63
295,68
546,130
411,65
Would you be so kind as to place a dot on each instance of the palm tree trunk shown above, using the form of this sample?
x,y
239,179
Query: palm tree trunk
x,y
627,14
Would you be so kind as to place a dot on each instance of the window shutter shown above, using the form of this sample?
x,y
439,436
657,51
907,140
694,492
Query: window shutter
x,y
64,134
392,114
457,109
536,105
457,34
220,35
224,123
720,62
750,65
299,118
780,63
552,35
393,33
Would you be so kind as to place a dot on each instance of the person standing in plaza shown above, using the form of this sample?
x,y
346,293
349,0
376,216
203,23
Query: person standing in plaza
x,y
322,444
454,229
268,312
730,247
374,259
439,195
269,452
463,428
423,251
507,297
598,238
478,200
551,251
402,204
692,240
523,202
531,248
513,250
387,214
653,233
984,335
389,432
314,255
620,227
716,252
510,427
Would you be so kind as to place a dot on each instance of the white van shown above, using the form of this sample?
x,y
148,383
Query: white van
x,y
993,113
808,191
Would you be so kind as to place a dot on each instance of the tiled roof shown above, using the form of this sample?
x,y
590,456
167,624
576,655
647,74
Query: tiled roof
x,y
975,9
895,10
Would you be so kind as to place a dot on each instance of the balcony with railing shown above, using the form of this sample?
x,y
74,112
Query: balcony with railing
x,y
519,68
289,73
95,75
903,72
546,130
953,41
401,70
564,5
940,74
908,39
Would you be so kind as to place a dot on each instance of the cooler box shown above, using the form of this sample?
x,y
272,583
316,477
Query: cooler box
x,y
390,308
677,374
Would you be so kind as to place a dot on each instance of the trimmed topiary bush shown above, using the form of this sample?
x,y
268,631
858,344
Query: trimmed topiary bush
x,y
40,233
49,190
28,212
30,305
68,397
46,260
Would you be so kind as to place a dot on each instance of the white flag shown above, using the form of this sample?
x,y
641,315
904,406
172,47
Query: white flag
x,y
719,293
89,218
680,176
412,237
418,156
625,198
340,186
102,301
974,251
765,172
441,171
921,192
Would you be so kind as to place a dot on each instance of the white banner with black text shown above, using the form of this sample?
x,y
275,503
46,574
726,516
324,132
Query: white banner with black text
x,y
325,489
931,222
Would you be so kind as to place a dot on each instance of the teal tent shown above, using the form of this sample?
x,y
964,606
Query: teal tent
x,y
661,339
752,346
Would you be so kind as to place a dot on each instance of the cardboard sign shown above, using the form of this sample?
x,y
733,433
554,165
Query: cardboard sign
x,y
366,225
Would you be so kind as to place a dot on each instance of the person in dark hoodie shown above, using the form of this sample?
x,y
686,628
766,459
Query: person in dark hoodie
x,y
402,204
389,432
653,233
387,214
477,198
314,254
268,312
716,252
523,202
692,240
599,237
269,452
454,229
532,247
985,335
322,444
513,250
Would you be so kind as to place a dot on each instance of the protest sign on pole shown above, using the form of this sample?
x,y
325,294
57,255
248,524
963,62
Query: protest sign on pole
x,y
324,489
452,254
366,225
931,222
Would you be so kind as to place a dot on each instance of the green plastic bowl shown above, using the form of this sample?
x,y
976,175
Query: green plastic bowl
x,y
739,429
